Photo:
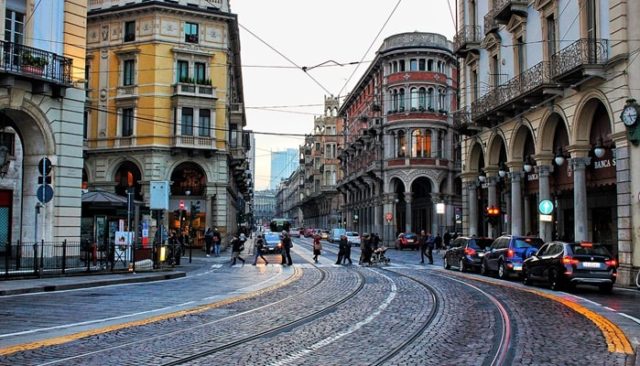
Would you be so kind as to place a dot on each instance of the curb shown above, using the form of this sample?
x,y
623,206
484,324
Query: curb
x,y
77,285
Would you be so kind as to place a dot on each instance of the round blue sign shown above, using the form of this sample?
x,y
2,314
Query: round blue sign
x,y
44,193
545,207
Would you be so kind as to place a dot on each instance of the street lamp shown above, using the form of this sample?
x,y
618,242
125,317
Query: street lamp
x,y
482,177
559,158
599,149
528,166
503,170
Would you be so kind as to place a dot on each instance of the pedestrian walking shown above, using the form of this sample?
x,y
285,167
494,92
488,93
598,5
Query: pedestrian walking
x,y
422,240
217,240
430,242
437,241
340,249
258,247
447,239
317,247
367,243
236,248
208,240
286,249
346,250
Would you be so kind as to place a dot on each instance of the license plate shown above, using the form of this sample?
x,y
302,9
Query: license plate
x,y
409,241
591,264
480,254
517,267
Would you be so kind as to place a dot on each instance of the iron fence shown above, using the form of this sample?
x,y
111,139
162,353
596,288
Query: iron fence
x,y
34,62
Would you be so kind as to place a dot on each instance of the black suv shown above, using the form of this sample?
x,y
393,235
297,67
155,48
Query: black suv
x,y
506,254
567,264
466,253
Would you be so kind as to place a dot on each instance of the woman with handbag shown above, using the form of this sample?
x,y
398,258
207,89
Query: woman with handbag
x,y
317,247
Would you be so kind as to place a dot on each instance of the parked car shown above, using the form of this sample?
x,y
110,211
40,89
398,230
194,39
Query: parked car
x,y
353,238
407,240
272,242
466,253
295,232
324,234
564,265
308,232
334,237
506,254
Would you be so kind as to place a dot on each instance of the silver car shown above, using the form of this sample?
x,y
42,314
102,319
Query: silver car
x,y
353,238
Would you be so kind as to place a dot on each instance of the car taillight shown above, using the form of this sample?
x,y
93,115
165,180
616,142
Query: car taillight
x,y
470,251
510,253
611,263
569,260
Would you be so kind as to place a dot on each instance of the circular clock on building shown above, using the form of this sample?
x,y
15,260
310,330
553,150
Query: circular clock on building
x,y
630,115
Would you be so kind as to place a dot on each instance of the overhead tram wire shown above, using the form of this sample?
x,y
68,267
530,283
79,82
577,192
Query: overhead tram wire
x,y
285,57
370,46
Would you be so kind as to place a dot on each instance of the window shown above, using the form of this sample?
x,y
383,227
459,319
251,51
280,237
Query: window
x,y
128,72
551,37
401,66
414,99
200,72
187,122
394,67
205,123
495,70
590,7
520,59
430,99
129,31
85,124
413,64
402,144
183,71
14,27
401,100
422,99
127,122
190,32
430,65
474,85
395,101
421,144
422,65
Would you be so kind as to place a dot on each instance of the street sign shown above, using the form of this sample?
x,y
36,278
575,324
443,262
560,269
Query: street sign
x,y
181,204
546,218
545,207
440,208
44,193
388,216
44,166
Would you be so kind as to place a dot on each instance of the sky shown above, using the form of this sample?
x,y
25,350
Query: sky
x,y
279,37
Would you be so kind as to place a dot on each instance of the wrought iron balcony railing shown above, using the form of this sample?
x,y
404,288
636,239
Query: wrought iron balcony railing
x,y
490,23
467,35
35,63
503,9
581,53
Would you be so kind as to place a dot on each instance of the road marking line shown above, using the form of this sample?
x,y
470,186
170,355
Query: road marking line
x,y
617,341
325,342
72,337
630,317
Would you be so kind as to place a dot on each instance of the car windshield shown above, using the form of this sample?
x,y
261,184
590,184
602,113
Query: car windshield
x,y
479,243
528,243
351,233
410,236
272,237
591,249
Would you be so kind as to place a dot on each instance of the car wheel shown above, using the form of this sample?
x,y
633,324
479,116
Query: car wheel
x,y
462,266
502,271
606,289
445,262
554,280
526,279
484,270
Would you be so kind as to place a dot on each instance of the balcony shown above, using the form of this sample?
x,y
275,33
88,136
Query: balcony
x,y
490,24
466,40
504,9
194,90
126,92
463,123
583,58
236,112
41,67
517,95
194,142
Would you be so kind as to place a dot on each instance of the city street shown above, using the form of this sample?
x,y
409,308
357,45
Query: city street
x,y
325,314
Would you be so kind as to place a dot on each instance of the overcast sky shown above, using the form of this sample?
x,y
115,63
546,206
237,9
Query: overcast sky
x,y
275,35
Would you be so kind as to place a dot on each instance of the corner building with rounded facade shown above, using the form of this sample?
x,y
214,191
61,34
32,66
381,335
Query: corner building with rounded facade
x,y
398,159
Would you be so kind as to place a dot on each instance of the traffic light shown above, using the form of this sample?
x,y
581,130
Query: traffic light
x,y
493,214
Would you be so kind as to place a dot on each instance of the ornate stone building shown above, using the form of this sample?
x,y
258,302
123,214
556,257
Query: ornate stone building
x,y
399,159
165,102
543,84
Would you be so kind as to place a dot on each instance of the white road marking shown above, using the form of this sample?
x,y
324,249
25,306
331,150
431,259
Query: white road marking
x,y
630,317
299,354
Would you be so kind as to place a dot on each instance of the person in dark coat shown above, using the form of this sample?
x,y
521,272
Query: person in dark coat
x,y
317,248
236,245
366,248
259,249
430,242
286,249
341,249
346,250
437,241
447,239
217,241
208,240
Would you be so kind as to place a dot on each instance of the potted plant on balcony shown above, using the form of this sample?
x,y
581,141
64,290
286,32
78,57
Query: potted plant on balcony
x,y
33,64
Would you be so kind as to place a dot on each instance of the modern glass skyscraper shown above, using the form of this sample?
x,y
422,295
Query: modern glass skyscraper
x,y
283,163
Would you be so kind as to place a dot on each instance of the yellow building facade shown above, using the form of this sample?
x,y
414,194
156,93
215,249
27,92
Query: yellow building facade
x,y
164,103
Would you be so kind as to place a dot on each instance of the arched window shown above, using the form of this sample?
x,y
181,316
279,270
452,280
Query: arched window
x,y
128,176
422,99
401,100
395,101
395,66
442,103
430,65
401,144
414,99
421,143
430,99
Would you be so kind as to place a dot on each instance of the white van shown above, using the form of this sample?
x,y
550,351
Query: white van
x,y
335,234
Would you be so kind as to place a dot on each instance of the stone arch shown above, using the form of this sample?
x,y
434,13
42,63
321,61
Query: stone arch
x,y
476,158
188,176
114,165
518,140
396,184
432,184
584,113
494,146
547,131
128,174
37,138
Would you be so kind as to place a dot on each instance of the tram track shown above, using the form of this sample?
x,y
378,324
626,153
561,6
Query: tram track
x,y
176,359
